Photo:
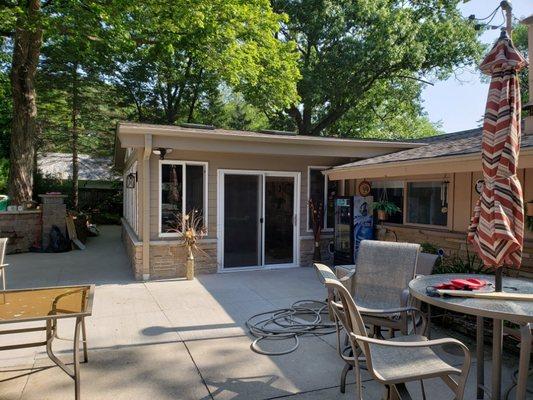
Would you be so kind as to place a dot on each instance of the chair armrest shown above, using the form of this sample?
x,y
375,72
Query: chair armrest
x,y
404,298
3,265
421,343
387,311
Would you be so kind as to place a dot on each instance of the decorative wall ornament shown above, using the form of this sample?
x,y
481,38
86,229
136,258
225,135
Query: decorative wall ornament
x,y
365,188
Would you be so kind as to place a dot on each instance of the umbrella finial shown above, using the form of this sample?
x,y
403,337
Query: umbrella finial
x,y
504,34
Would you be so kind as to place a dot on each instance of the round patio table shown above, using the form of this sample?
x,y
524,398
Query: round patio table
x,y
519,312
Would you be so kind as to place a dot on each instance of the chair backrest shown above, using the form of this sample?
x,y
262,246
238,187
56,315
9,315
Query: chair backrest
x,y
384,270
3,245
342,305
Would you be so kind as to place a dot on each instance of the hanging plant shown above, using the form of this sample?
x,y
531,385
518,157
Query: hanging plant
x,y
385,208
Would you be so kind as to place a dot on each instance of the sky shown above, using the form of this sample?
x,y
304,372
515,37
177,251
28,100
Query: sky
x,y
458,103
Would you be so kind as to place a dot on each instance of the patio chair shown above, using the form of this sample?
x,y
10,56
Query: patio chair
x,y
396,361
3,245
380,282
389,316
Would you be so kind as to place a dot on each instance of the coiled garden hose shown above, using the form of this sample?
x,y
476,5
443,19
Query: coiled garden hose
x,y
304,317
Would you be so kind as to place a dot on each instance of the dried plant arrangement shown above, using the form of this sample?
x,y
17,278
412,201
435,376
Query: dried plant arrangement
x,y
317,216
192,229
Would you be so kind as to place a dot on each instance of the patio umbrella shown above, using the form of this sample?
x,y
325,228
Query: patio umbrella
x,y
497,226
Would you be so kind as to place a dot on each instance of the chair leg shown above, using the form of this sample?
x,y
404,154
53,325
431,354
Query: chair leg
x,y
3,272
344,374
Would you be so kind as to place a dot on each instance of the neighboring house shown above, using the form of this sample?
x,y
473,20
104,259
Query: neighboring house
x,y
435,187
252,189
94,172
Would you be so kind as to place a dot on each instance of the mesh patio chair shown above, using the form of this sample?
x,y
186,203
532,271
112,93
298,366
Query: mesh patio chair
x,y
396,361
3,244
396,317
380,283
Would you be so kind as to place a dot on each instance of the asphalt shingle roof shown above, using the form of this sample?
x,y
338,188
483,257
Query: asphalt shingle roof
x,y
446,145
59,166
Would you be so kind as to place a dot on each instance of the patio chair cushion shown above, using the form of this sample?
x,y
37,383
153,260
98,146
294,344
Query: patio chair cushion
x,y
395,364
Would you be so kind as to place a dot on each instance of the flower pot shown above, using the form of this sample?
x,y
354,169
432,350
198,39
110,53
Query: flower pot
x,y
190,268
317,256
529,209
382,215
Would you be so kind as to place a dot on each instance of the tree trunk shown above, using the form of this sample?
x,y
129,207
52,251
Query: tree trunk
x,y
74,116
26,51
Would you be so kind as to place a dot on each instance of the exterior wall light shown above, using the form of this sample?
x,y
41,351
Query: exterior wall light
x,y
131,180
161,152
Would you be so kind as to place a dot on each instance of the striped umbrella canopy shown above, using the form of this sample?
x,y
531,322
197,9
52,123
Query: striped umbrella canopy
x,y
497,227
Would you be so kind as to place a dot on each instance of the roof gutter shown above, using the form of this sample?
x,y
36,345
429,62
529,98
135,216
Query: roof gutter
x,y
449,164
176,131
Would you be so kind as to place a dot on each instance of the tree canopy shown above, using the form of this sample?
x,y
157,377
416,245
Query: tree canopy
x,y
360,59
323,67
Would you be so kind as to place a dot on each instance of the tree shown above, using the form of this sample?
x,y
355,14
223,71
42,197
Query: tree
x,y
71,75
357,55
24,24
177,53
520,41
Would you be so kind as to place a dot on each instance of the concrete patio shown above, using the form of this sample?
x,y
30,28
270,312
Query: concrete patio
x,y
176,339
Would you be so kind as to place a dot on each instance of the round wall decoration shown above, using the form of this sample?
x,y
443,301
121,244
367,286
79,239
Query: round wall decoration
x,y
479,185
364,188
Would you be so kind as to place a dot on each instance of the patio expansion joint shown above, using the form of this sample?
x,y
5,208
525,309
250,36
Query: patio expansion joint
x,y
182,341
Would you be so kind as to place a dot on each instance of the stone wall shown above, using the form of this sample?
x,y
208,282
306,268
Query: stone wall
x,y
22,228
168,259
54,212
453,243
133,250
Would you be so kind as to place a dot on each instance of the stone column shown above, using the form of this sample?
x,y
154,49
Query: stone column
x,y
54,213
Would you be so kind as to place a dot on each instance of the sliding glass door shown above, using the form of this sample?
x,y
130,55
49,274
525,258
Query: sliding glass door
x,y
242,220
258,219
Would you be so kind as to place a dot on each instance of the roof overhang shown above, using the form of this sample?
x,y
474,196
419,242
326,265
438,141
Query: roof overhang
x,y
437,165
224,141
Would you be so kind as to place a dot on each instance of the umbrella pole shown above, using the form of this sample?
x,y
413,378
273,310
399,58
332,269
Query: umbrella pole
x,y
498,279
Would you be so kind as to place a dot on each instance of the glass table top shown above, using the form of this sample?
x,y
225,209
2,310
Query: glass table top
x,y
44,303
511,310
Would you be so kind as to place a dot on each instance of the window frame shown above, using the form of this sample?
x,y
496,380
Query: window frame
x,y
449,195
324,202
183,164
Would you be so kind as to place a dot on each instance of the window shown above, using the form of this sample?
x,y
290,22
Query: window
x,y
183,190
391,191
427,203
322,191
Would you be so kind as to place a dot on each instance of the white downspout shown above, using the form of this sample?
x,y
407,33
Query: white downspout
x,y
146,206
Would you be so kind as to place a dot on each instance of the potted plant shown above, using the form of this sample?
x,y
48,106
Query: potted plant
x,y
385,208
191,226
317,215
